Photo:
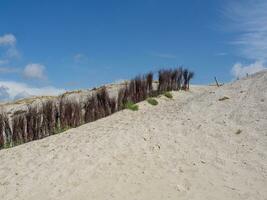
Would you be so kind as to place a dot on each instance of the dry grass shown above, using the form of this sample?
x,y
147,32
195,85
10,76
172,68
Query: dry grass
x,y
56,115
224,98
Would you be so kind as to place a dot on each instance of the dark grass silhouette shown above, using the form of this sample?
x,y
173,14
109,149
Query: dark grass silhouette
x,y
48,120
171,79
19,135
54,116
33,123
99,105
70,114
2,127
5,131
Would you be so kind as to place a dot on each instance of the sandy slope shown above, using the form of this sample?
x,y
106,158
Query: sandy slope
x,y
186,148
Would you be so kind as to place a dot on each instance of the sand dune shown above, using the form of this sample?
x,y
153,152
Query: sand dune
x,y
195,146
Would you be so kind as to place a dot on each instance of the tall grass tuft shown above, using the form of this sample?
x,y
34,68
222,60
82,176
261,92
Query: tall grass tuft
x,y
2,127
99,105
48,121
70,114
149,81
33,123
19,134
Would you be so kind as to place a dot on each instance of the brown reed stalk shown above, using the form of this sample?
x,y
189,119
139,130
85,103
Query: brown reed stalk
x,y
19,135
2,127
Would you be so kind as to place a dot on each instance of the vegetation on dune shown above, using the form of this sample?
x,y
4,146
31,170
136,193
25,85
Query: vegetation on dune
x,y
168,95
152,101
131,106
56,115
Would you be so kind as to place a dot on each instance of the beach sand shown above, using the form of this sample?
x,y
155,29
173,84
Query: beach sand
x,y
194,146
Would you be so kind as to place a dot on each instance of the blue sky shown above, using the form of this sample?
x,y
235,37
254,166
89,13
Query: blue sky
x,y
47,47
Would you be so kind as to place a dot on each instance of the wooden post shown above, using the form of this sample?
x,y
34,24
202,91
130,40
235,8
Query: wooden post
x,y
216,82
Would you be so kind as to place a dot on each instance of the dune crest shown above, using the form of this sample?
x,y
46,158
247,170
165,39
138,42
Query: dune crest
x,y
206,143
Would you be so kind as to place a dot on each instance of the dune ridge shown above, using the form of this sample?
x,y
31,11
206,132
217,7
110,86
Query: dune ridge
x,y
193,146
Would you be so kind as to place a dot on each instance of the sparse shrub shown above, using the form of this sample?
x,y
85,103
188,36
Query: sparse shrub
x,y
131,106
168,95
238,132
152,101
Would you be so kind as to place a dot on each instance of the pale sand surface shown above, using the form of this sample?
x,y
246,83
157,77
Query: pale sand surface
x,y
185,148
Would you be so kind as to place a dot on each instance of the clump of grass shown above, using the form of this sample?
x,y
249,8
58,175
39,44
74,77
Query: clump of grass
x,y
224,98
131,106
168,95
238,132
152,101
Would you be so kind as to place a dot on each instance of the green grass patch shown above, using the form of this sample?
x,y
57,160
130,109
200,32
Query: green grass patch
x,y
168,95
131,106
152,101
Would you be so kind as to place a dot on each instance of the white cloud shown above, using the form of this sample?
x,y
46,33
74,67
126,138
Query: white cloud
x,y
7,40
34,71
249,20
10,90
239,70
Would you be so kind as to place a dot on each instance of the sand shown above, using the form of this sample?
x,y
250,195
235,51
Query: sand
x,y
190,147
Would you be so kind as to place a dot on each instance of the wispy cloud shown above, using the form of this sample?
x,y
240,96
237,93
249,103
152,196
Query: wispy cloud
x,y
249,20
11,90
12,52
3,62
8,70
